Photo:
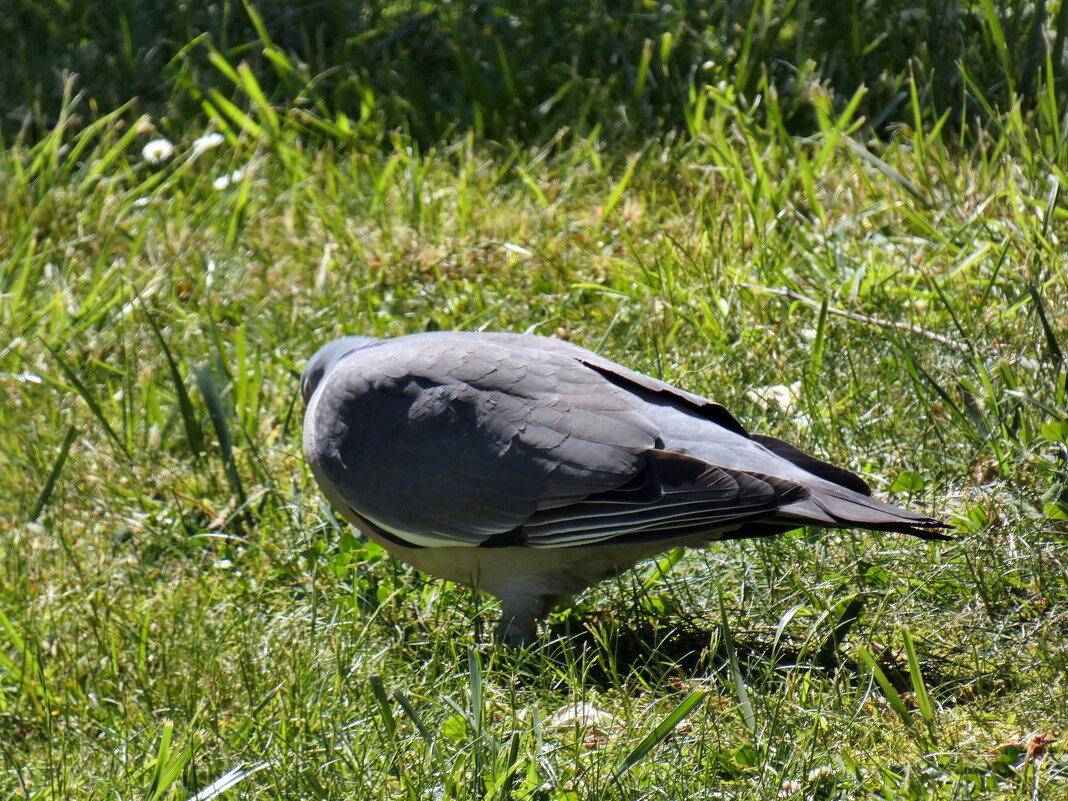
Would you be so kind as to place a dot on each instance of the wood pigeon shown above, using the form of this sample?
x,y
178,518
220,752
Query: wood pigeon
x,y
532,468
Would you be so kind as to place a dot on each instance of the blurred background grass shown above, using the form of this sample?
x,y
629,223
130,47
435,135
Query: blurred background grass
x,y
523,70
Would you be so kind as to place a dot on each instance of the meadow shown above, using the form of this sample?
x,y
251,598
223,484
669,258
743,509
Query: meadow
x,y
847,227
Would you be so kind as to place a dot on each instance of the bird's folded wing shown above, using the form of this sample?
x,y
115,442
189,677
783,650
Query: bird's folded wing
x,y
454,447
674,496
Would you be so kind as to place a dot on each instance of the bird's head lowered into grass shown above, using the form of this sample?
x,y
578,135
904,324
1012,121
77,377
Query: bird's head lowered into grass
x,y
324,360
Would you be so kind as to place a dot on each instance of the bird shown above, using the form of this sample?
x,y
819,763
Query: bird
x,y
532,468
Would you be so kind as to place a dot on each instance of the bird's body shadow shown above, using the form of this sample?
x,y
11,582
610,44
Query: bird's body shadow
x,y
604,651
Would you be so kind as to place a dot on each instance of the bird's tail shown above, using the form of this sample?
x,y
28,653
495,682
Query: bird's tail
x,y
837,507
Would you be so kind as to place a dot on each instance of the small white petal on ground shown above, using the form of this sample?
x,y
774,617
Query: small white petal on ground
x,y
584,716
27,378
780,395
820,773
519,250
224,181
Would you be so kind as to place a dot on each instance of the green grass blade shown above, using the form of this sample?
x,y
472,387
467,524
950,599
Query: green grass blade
x,y
813,387
53,475
889,693
887,170
643,70
528,179
90,400
1052,344
1051,204
621,186
218,417
826,656
919,686
168,765
257,23
24,675
236,116
661,568
190,420
475,687
100,165
417,720
508,772
1001,45
780,628
660,732
748,717
379,691
966,422
255,93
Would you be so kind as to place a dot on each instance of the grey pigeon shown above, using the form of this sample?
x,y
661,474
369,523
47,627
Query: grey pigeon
x,y
532,468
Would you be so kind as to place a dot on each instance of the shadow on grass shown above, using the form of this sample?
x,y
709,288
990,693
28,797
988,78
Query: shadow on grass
x,y
617,652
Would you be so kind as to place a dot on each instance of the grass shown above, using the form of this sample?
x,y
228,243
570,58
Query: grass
x,y
630,68
176,603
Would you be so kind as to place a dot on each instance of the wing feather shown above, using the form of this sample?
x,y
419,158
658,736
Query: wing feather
x,y
673,492
455,441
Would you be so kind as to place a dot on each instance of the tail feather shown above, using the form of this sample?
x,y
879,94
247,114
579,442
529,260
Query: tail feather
x,y
840,508
843,499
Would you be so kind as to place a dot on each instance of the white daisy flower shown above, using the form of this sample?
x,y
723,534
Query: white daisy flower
x,y
207,142
157,151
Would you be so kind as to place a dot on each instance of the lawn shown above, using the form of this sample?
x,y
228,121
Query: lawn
x,y
873,272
